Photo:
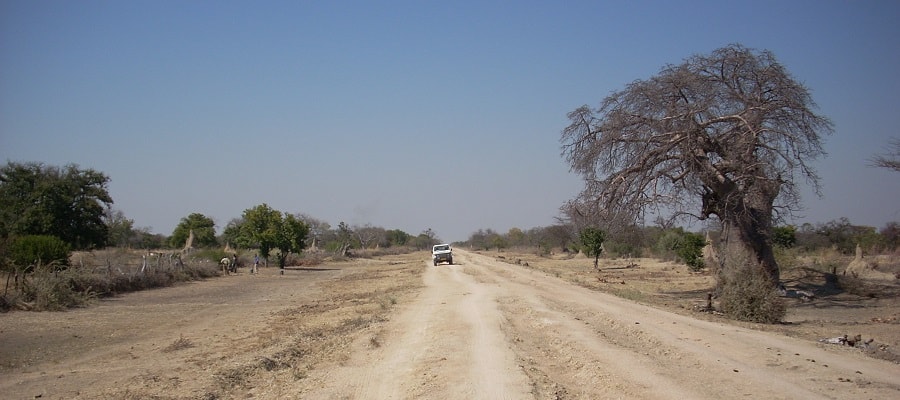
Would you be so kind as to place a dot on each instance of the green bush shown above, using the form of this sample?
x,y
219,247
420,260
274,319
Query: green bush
x,y
31,250
690,250
592,243
784,236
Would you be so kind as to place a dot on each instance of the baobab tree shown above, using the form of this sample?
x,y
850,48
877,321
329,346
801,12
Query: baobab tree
x,y
730,134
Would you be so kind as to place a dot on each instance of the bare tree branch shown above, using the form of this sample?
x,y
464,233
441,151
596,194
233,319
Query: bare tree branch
x,y
728,134
889,160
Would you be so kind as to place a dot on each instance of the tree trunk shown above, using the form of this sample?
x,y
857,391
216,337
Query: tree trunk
x,y
750,234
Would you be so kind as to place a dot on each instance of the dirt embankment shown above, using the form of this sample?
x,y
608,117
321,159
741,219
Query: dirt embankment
x,y
398,328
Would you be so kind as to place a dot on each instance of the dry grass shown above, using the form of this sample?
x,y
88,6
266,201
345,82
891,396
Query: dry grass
x,y
179,344
840,304
302,338
101,274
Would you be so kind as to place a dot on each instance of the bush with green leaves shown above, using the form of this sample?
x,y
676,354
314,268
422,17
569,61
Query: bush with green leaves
x,y
592,243
784,236
686,246
30,250
267,229
690,250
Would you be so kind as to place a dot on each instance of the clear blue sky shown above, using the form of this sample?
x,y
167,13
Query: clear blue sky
x,y
406,115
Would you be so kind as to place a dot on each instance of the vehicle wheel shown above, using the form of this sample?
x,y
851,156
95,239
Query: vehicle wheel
x,y
450,261
435,263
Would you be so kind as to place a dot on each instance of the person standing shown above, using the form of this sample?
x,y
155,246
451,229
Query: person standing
x,y
255,264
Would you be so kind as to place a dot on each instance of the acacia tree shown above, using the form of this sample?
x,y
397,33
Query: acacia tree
x,y
729,134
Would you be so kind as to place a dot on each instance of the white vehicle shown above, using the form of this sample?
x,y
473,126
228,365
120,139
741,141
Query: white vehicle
x,y
441,253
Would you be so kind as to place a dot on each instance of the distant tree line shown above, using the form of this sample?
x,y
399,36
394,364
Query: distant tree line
x,y
59,209
47,211
666,242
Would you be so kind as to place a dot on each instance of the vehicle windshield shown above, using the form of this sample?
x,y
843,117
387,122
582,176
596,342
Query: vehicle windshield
x,y
440,248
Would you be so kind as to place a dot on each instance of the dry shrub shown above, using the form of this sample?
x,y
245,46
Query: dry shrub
x,y
179,344
235,377
293,259
312,259
856,286
746,293
381,251
50,288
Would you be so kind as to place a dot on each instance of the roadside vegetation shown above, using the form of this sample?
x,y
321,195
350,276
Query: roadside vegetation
x,y
814,260
62,244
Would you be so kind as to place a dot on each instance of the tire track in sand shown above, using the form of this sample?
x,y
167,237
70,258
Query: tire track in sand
x,y
447,344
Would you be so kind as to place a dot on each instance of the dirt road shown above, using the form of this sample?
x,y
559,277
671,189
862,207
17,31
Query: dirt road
x,y
398,328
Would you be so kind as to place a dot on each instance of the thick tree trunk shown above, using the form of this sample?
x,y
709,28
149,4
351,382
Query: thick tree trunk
x,y
750,233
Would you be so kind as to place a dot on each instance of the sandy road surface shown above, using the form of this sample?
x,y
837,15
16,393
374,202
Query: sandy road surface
x,y
573,342
488,330
448,344
402,329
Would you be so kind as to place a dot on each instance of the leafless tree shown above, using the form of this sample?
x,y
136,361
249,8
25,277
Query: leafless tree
x,y
729,134
318,229
368,235
890,160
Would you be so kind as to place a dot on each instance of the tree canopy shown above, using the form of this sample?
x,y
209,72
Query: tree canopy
x,y
592,243
397,237
268,229
120,228
729,134
204,231
66,202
